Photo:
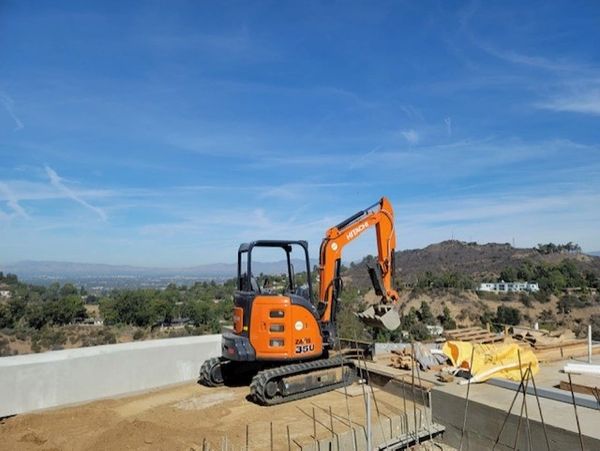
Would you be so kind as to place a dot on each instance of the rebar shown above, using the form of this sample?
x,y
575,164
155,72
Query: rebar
x,y
373,395
523,406
412,376
427,422
289,438
354,444
462,432
576,415
508,414
537,398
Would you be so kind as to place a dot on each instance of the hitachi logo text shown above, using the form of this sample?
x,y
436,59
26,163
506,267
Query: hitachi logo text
x,y
356,230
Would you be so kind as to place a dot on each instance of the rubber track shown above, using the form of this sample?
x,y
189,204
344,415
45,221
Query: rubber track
x,y
206,369
259,382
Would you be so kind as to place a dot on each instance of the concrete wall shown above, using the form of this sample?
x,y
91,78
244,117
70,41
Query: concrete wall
x,y
484,420
51,379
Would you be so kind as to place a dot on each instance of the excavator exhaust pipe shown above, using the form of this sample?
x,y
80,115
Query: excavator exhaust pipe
x,y
381,316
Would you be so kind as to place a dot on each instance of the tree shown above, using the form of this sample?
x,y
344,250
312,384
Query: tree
x,y
409,319
508,274
424,314
446,319
508,315
419,332
67,310
68,289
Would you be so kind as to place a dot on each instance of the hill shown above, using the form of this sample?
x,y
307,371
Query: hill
x,y
480,262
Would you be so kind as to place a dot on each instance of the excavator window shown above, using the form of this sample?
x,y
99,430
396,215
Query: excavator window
x,y
267,267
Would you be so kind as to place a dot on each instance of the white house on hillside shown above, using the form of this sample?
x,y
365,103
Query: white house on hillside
x,y
509,287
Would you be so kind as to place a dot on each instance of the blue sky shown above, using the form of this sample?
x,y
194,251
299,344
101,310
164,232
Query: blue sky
x,y
166,133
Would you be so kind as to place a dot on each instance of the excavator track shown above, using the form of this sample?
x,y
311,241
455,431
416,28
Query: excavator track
x,y
301,380
210,372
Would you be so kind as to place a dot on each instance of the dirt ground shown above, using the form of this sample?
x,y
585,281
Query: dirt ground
x,y
181,417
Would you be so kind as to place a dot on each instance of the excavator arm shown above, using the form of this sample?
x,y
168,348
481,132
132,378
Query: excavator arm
x,y
381,216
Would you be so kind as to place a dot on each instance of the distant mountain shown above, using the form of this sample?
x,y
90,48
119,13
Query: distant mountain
x,y
477,260
595,253
50,271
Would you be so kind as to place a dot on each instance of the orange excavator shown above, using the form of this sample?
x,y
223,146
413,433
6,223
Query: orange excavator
x,y
282,337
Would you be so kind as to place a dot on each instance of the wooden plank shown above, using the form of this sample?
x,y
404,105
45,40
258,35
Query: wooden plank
x,y
455,332
578,388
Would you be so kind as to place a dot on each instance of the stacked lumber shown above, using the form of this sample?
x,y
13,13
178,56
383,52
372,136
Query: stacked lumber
x,y
472,335
553,346
401,359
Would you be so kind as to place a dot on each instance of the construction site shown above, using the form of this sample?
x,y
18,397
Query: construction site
x,y
146,396
281,378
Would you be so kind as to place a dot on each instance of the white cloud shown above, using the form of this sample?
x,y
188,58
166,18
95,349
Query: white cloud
x,y
411,136
585,101
57,182
8,103
12,201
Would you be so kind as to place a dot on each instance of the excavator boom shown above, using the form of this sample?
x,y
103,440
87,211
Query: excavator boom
x,y
381,216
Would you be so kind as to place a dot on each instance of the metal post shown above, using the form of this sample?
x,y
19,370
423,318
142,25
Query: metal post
x,y
589,343
247,437
369,444
314,424
271,432
289,440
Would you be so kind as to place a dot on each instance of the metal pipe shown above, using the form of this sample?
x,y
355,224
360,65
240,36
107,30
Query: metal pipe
x,y
582,368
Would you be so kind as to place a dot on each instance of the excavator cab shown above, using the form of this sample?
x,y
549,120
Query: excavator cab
x,y
274,318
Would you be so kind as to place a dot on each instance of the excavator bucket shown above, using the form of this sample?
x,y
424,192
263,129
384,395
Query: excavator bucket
x,y
382,316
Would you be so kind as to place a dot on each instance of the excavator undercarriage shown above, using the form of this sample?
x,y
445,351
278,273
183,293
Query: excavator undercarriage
x,y
284,383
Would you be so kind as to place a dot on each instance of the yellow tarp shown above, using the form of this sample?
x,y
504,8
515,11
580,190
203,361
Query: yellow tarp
x,y
503,357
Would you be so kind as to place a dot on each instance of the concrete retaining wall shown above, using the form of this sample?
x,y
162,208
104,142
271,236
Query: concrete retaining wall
x,y
51,379
484,421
